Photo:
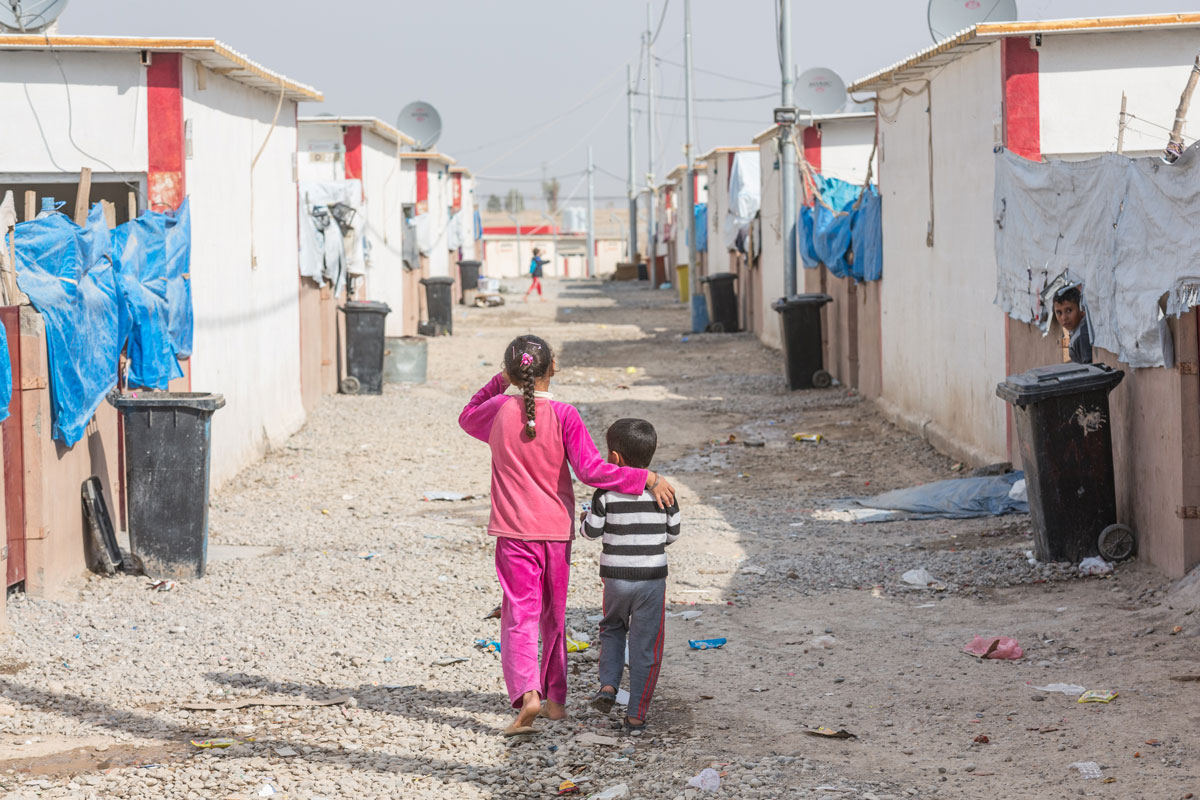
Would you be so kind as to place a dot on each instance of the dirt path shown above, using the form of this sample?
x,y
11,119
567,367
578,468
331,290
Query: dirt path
x,y
338,578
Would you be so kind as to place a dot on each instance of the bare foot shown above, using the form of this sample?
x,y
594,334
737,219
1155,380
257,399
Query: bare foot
x,y
531,704
554,710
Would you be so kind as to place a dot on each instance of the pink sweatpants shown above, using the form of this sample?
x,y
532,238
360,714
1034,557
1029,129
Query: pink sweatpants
x,y
533,576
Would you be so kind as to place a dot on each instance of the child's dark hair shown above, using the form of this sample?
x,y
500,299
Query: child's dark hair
x,y
1070,295
527,359
635,439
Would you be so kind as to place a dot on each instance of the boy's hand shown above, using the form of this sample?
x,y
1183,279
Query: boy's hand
x,y
582,517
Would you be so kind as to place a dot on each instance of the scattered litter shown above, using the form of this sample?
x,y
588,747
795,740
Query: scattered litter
x,y
1000,647
1088,769
595,738
706,644
491,645
162,586
631,370
494,613
285,752
347,497
446,661
567,787
841,473
1186,678
449,497
577,636
215,744
1062,688
177,629
1030,558
622,697
687,615
811,438
576,646
830,733
918,577
595,617
982,739
267,790
367,555
926,605
754,443
1097,696
861,515
1094,566
1018,492
247,702
825,642
709,780
611,793
753,570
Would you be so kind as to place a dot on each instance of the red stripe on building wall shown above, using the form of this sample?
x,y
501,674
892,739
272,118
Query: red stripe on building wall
x,y
422,186
729,171
1022,115
352,139
812,147
164,125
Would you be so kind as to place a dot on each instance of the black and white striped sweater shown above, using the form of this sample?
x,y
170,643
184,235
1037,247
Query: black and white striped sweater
x,y
635,534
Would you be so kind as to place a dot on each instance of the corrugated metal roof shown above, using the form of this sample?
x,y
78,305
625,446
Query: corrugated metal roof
x,y
922,63
375,124
432,156
218,57
461,171
730,149
821,118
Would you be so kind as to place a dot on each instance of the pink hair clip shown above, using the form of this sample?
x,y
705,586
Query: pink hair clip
x,y
526,359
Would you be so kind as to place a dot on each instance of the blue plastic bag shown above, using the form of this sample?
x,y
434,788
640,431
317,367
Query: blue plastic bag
x,y
68,275
701,223
139,256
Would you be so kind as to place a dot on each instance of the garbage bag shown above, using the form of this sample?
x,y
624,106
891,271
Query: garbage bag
x,y
67,273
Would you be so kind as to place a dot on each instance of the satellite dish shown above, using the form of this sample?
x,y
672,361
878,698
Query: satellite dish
x,y
948,17
421,121
30,16
820,91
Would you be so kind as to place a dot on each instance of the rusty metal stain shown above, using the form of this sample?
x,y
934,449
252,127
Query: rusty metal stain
x,y
1187,512
1090,421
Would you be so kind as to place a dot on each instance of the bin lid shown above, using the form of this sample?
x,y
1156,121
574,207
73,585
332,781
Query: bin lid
x,y
719,276
1057,380
470,262
437,280
138,400
370,306
798,300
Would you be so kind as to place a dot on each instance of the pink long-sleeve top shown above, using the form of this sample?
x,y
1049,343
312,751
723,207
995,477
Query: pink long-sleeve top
x,y
532,494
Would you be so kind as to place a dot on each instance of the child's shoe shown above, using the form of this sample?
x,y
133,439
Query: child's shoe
x,y
603,700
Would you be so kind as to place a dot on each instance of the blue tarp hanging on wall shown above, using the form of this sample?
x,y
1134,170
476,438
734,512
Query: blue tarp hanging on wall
x,y
826,235
6,387
177,226
68,275
140,259
701,223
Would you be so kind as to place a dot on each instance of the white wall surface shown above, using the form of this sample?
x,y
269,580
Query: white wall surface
x,y
247,323
1080,80
469,245
385,229
845,149
770,261
320,164
107,102
943,339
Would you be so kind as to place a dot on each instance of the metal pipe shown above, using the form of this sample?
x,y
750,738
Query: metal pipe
x,y
788,153
591,220
631,183
689,152
651,209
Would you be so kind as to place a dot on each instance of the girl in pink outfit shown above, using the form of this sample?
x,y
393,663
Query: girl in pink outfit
x,y
535,443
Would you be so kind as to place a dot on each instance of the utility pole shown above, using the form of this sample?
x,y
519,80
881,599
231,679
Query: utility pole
x,y
591,221
631,184
651,210
788,151
689,192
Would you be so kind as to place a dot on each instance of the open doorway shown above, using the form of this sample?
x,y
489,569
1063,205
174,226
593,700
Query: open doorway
x,y
126,191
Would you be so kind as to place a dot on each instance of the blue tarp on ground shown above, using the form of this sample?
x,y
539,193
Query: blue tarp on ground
x,y
701,223
68,275
962,498
827,234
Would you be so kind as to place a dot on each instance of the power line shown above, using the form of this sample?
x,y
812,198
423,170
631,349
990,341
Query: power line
x,y
716,74
714,99
654,38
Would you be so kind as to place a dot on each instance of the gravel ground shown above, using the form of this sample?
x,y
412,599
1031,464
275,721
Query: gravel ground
x,y
332,579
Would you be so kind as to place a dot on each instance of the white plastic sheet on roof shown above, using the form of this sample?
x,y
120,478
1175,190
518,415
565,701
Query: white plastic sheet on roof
x,y
1126,227
745,195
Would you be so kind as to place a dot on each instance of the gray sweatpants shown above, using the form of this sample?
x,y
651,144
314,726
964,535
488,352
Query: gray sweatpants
x,y
633,612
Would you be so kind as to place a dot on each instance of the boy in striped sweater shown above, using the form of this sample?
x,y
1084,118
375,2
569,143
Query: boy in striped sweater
x,y
633,565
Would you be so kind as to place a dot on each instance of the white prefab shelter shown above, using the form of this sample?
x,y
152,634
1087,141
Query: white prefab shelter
x,y
368,150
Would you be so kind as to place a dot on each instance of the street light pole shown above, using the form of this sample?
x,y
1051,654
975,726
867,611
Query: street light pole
x,y
591,220
689,151
631,184
788,152
651,210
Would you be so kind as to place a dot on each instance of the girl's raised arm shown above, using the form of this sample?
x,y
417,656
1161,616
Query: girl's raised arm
x,y
477,417
589,466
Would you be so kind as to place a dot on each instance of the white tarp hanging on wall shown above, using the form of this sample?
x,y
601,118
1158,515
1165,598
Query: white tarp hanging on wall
x,y
1126,227
745,196
325,254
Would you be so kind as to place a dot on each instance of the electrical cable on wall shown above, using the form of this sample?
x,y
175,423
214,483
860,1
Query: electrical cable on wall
x,y
253,163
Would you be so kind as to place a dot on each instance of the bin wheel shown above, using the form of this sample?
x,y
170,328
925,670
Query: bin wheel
x,y
1117,542
822,379
350,385
716,327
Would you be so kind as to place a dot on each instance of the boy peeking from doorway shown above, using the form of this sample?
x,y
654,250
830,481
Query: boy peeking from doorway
x,y
1068,310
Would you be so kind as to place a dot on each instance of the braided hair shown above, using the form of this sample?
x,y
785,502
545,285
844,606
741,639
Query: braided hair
x,y
526,359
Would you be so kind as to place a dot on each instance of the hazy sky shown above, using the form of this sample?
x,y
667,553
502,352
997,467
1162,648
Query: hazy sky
x,y
526,85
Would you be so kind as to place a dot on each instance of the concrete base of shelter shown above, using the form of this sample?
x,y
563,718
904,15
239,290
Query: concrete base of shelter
x,y
937,436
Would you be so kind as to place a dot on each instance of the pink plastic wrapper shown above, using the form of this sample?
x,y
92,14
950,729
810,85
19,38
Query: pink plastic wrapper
x,y
1002,647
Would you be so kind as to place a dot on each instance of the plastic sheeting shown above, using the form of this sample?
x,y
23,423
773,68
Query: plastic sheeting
x,y
829,234
701,223
745,197
177,227
142,262
69,277
6,377
963,498
1124,227
325,253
